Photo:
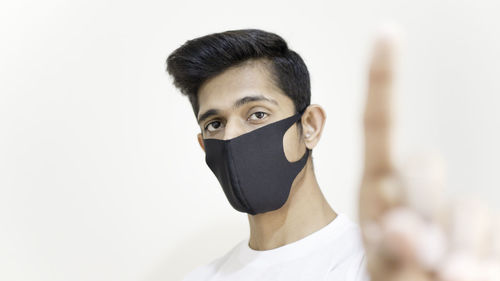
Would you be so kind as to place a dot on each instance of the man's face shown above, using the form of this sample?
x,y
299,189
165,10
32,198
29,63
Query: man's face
x,y
242,99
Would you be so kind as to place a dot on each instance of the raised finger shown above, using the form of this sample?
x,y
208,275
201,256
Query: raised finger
x,y
378,109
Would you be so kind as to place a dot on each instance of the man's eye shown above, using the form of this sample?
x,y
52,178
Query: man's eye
x,y
258,115
213,126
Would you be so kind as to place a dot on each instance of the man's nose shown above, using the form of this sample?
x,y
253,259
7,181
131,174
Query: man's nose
x,y
233,129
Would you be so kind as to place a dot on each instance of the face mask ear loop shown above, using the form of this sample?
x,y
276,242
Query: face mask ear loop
x,y
302,161
308,151
299,120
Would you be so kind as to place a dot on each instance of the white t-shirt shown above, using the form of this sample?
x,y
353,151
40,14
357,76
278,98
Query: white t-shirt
x,y
334,253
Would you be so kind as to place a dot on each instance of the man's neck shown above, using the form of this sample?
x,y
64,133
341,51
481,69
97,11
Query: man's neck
x,y
305,212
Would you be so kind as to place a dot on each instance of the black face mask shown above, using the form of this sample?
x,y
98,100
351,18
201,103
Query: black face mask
x,y
253,169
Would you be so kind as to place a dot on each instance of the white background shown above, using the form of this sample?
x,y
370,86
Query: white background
x,y
101,176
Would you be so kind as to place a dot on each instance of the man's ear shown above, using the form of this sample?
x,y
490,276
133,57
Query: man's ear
x,y
200,141
313,121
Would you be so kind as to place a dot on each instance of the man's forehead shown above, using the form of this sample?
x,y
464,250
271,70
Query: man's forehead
x,y
234,84
237,99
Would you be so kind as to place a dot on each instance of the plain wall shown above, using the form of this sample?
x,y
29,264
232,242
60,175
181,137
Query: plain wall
x,y
101,175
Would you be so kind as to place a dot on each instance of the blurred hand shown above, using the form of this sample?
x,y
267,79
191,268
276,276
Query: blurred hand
x,y
409,231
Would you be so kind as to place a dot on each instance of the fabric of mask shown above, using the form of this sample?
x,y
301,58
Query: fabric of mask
x,y
252,168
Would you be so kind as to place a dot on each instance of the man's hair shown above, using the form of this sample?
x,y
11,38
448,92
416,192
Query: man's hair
x,y
202,58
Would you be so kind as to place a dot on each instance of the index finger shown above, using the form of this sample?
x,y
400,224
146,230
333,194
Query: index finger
x,y
378,111
379,190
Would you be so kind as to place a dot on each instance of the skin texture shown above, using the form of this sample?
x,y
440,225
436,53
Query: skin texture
x,y
306,209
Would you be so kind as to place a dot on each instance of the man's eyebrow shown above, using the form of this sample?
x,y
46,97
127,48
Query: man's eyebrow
x,y
207,114
248,99
236,104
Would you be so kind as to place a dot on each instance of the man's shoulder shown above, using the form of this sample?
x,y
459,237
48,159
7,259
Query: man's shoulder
x,y
202,272
350,254
205,271
348,236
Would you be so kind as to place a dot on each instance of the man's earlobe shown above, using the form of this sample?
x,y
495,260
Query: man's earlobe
x,y
200,141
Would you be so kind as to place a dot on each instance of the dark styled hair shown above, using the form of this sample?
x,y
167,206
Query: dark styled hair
x,y
202,58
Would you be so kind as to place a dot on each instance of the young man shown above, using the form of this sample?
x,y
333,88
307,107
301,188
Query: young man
x,y
251,97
